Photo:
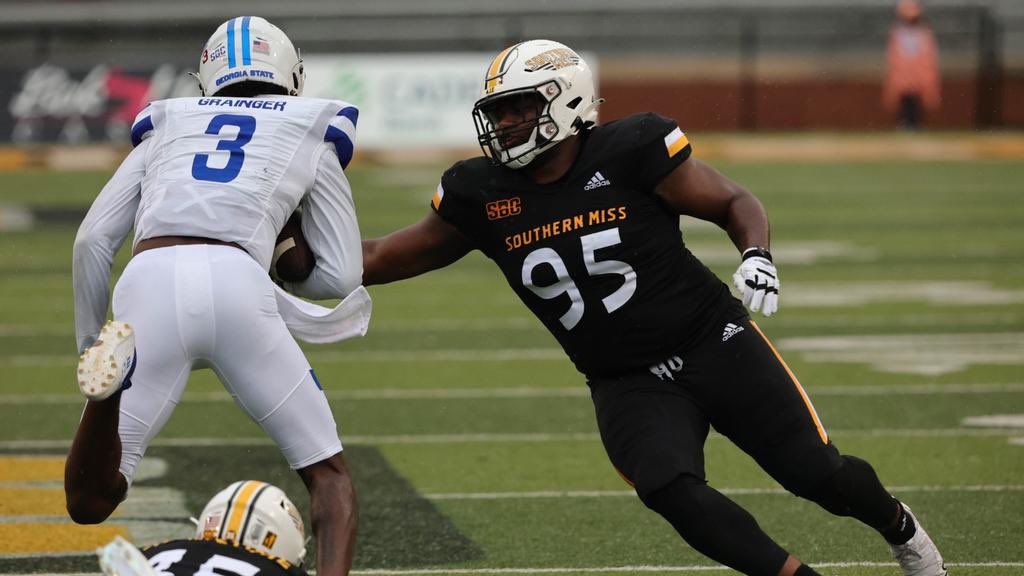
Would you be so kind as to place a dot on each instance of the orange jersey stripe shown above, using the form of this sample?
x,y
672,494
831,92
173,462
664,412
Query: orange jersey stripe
x,y
799,388
624,478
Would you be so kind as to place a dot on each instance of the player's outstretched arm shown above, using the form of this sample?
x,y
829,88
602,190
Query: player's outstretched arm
x,y
698,190
426,245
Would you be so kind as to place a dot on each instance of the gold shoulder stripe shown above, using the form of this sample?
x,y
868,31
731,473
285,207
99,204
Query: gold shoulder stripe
x,y
675,141
438,196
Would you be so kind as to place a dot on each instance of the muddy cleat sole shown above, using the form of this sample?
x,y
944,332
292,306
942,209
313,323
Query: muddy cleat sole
x,y
107,365
919,556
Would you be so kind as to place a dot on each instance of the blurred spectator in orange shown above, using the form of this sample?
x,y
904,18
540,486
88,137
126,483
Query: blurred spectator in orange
x,y
912,76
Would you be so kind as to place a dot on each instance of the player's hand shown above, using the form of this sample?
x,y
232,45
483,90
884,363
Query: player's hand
x,y
758,282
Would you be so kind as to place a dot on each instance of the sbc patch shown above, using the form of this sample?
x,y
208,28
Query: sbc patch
x,y
504,208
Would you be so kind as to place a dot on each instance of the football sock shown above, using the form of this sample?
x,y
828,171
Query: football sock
x,y
717,527
805,570
900,531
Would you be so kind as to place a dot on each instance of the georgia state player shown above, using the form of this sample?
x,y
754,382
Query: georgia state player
x,y
208,186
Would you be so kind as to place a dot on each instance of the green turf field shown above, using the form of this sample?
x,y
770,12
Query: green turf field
x,y
473,440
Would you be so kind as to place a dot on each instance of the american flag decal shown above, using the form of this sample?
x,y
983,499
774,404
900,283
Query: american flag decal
x,y
260,46
212,522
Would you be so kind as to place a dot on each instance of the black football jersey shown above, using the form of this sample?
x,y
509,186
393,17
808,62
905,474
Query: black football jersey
x,y
190,557
597,255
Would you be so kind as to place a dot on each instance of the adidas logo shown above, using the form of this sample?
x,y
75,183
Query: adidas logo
x,y
730,331
596,181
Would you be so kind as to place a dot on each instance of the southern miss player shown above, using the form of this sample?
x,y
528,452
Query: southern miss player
x,y
250,528
583,221
208,186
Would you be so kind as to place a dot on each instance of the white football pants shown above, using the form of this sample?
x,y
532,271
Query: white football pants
x,y
197,306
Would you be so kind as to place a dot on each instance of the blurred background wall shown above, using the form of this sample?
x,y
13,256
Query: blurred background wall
x,y
77,71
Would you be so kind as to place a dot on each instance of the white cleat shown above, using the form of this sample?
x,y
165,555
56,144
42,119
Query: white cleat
x,y
120,558
107,365
919,556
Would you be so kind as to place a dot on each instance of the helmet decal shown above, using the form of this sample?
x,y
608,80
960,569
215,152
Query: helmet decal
x,y
255,514
498,68
552,60
240,507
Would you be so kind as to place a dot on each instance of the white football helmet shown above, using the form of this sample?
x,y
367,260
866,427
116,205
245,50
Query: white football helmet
x,y
248,48
255,514
546,68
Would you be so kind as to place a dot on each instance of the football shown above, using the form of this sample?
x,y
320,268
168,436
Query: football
x,y
293,260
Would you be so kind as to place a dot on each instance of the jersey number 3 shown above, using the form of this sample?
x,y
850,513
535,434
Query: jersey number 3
x,y
564,283
200,164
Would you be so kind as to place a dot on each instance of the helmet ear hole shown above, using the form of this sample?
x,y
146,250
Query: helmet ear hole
x,y
574,102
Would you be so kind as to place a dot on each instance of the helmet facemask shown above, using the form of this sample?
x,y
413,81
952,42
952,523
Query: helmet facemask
x,y
516,144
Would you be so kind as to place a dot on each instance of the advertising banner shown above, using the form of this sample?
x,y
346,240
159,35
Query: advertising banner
x,y
405,101
51,104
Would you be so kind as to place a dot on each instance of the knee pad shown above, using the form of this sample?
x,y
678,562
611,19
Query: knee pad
x,y
683,491
854,490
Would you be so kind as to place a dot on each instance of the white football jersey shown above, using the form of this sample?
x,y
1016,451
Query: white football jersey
x,y
230,169
234,169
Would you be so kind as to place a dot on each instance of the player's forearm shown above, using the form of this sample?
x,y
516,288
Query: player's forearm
x,y
747,223
90,273
405,254
382,264
323,284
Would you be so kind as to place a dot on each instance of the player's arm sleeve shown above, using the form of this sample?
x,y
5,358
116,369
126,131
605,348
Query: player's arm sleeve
x,y
142,127
330,227
662,146
100,235
446,200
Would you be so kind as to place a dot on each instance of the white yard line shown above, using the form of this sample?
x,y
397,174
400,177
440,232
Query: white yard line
x,y
541,494
315,356
560,392
376,440
524,322
572,570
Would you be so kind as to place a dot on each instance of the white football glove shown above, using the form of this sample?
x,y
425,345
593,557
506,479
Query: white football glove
x,y
758,282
